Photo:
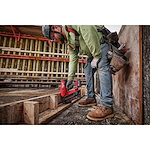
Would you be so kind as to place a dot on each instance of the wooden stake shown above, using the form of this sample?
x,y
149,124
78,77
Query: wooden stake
x,y
31,112
53,102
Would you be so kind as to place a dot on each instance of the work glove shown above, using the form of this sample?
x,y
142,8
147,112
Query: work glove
x,y
94,63
69,84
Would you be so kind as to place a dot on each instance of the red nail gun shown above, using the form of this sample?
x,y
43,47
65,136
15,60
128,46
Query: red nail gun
x,y
68,96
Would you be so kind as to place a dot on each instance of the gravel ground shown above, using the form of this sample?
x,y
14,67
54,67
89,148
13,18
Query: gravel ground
x,y
77,116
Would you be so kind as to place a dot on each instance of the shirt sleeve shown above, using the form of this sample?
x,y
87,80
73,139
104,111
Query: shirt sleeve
x,y
72,64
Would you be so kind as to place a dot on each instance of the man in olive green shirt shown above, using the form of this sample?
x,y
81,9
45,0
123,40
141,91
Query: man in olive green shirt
x,y
91,44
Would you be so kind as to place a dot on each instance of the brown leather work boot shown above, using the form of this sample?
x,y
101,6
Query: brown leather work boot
x,y
100,113
88,102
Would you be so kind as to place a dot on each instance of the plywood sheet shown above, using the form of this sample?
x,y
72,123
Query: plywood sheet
x,y
126,82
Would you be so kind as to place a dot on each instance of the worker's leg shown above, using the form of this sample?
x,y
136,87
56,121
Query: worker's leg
x,y
106,95
89,75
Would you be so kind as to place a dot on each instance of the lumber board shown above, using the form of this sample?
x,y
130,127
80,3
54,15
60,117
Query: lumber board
x,y
29,61
37,72
34,52
7,60
19,60
13,60
48,115
24,61
34,61
11,114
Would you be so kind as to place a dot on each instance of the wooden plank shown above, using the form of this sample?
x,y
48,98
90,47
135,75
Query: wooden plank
x,y
65,63
19,62
43,62
48,115
37,72
21,101
7,60
34,61
62,63
33,52
49,62
31,113
11,114
24,61
52,66
38,62
57,64
29,61
13,60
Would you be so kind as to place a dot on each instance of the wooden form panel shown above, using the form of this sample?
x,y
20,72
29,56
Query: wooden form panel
x,y
35,58
126,82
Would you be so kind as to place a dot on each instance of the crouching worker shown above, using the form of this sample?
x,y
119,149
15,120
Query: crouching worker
x,y
86,40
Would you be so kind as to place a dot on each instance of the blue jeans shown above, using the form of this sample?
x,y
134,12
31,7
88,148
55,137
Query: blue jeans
x,y
105,77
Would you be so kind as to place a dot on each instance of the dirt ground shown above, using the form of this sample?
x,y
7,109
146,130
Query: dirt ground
x,y
74,115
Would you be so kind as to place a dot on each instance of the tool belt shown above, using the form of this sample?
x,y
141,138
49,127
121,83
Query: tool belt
x,y
116,51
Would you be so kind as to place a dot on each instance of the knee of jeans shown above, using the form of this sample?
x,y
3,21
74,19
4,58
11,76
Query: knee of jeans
x,y
104,68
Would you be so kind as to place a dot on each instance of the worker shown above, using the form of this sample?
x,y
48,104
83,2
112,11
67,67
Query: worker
x,y
86,40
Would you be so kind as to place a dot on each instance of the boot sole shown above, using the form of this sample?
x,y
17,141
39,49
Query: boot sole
x,y
94,104
99,119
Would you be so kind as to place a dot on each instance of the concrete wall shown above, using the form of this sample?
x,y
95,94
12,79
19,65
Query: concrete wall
x,y
126,83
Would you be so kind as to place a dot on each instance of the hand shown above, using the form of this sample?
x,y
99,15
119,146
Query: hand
x,y
94,63
69,84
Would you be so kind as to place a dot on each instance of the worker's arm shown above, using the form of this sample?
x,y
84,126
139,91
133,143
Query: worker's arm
x,y
72,64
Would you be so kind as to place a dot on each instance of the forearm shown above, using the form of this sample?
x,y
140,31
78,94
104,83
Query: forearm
x,y
72,65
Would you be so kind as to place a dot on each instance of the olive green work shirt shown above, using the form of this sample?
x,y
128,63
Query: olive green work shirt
x,y
89,44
